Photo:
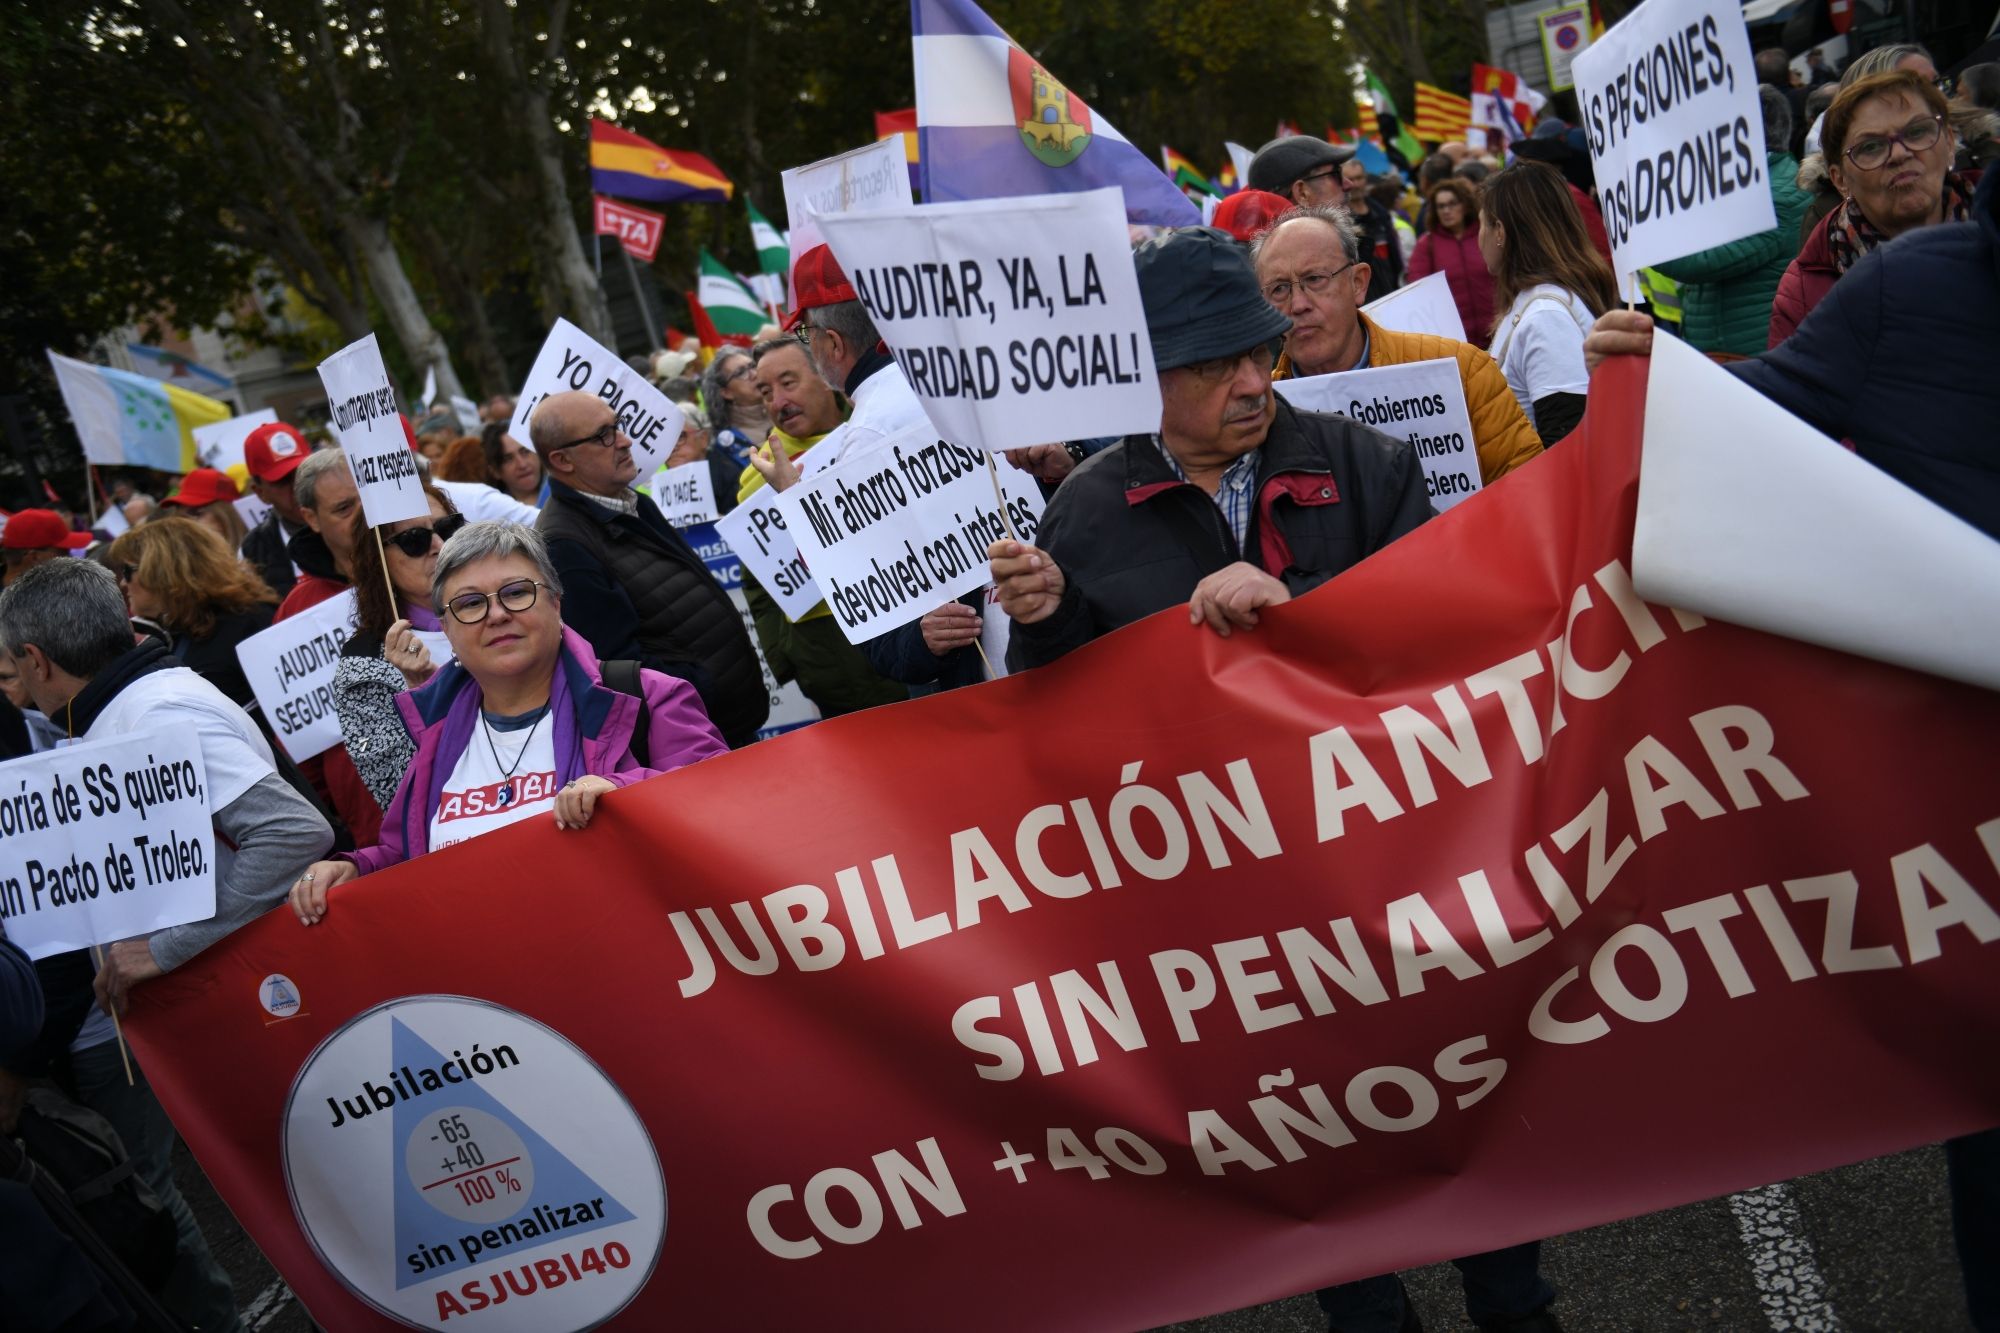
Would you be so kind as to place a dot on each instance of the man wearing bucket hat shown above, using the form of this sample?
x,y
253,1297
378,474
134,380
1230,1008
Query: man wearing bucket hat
x,y
1240,502
273,452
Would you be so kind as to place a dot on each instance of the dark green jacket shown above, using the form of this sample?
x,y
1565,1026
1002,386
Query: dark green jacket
x,y
1726,292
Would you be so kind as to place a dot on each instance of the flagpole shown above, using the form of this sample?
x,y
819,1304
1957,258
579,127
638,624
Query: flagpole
x,y
645,307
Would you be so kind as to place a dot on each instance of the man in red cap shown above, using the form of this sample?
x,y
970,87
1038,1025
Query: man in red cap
x,y
272,453
34,537
848,353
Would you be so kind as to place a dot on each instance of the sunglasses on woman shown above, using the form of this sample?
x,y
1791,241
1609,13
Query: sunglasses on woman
x,y
416,542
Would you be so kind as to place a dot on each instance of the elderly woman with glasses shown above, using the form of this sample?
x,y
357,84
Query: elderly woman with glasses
x,y
1889,147
521,724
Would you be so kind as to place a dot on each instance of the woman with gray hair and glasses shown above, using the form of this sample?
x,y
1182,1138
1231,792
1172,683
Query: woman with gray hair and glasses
x,y
522,722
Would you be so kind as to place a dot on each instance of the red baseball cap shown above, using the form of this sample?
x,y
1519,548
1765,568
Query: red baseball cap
x,y
818,280
1248,214
203,486
272,450
41,530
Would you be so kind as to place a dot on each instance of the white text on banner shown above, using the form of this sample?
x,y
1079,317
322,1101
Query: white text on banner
x,y
1422,402
363,403
290,669
904,529
1669,100
1016,321
571,359
116,842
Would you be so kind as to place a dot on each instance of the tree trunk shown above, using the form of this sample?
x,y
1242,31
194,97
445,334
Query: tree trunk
x,y
391,282
476,341
560,250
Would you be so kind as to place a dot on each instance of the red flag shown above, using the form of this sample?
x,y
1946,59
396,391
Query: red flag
x,y
1384,932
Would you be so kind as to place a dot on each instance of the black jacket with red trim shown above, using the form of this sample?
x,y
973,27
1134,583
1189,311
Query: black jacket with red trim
x,y
1132,538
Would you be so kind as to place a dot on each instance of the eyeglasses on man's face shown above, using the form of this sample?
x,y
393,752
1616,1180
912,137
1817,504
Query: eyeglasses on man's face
x,y
1219,368
604,438
1314,284
469,608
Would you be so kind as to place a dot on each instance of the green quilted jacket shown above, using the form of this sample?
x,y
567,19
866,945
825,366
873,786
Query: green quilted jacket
x,y
1726,292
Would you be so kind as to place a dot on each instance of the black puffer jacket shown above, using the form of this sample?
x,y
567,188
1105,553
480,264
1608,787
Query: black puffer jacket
x,y
635,588
1133,539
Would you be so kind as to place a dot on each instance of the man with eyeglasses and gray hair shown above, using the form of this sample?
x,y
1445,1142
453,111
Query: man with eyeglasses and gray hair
x,y
63,628
634,588
1239,503
1311,269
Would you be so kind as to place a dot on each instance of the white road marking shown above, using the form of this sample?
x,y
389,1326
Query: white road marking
x,y
1789,1283
270,1303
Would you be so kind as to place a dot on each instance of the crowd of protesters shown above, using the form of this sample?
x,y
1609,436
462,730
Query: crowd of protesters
x,y
544,633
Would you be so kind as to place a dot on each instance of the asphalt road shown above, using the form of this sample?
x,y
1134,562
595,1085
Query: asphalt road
x,y
1864,1249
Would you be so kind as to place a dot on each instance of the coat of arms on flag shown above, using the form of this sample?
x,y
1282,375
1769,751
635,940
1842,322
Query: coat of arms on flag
x,y
1055,125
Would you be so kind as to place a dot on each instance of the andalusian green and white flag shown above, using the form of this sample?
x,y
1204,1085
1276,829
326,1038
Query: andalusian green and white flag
x,y
773,256
731,304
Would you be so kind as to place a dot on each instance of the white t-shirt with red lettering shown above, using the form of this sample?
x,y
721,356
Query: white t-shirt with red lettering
x,y
482,795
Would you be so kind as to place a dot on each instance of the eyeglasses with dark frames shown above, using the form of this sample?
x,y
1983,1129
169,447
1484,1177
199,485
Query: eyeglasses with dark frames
x,y
1216,369
469,608
1871,152
1313,283
604,438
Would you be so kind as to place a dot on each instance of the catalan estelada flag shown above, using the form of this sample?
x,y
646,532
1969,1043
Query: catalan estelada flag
x,y
888,124
1185,173
133,419
1440,116
632,167
995,122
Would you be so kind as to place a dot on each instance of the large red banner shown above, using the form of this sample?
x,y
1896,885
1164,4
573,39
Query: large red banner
x,y
1467,900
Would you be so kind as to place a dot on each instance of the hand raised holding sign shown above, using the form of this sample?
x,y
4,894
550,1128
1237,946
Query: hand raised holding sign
x,y
1028,579
951,626
407,653
1231,597
126,964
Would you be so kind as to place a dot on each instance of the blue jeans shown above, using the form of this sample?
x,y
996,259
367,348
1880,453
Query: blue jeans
x,y
1499,1284
1972,1170
198,1292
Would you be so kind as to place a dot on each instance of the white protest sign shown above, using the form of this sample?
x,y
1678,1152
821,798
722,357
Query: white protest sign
x,y
755,531
363,402
572,359
1565,34
106,840
685,494
113,523
1422,402
467,413
1425,306
251,510
904,528
430,386
1800,537
1016,321
290,669
220,445
1669,100
860,180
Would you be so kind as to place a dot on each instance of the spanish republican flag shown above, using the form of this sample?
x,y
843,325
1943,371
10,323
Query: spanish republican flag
x,y
903,124
624,164
1185,173
1441,117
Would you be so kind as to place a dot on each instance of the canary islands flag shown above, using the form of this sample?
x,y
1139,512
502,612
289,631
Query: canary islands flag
x,y
993,122
631,167
123,418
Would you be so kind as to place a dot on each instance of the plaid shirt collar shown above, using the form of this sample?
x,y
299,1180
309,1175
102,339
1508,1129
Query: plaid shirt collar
x,y
1234,494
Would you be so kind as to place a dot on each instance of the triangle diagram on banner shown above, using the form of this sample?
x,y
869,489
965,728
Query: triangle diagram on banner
x,y
1749,515
466,1165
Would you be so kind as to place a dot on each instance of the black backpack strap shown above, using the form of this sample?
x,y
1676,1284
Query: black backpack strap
x,y
622,674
